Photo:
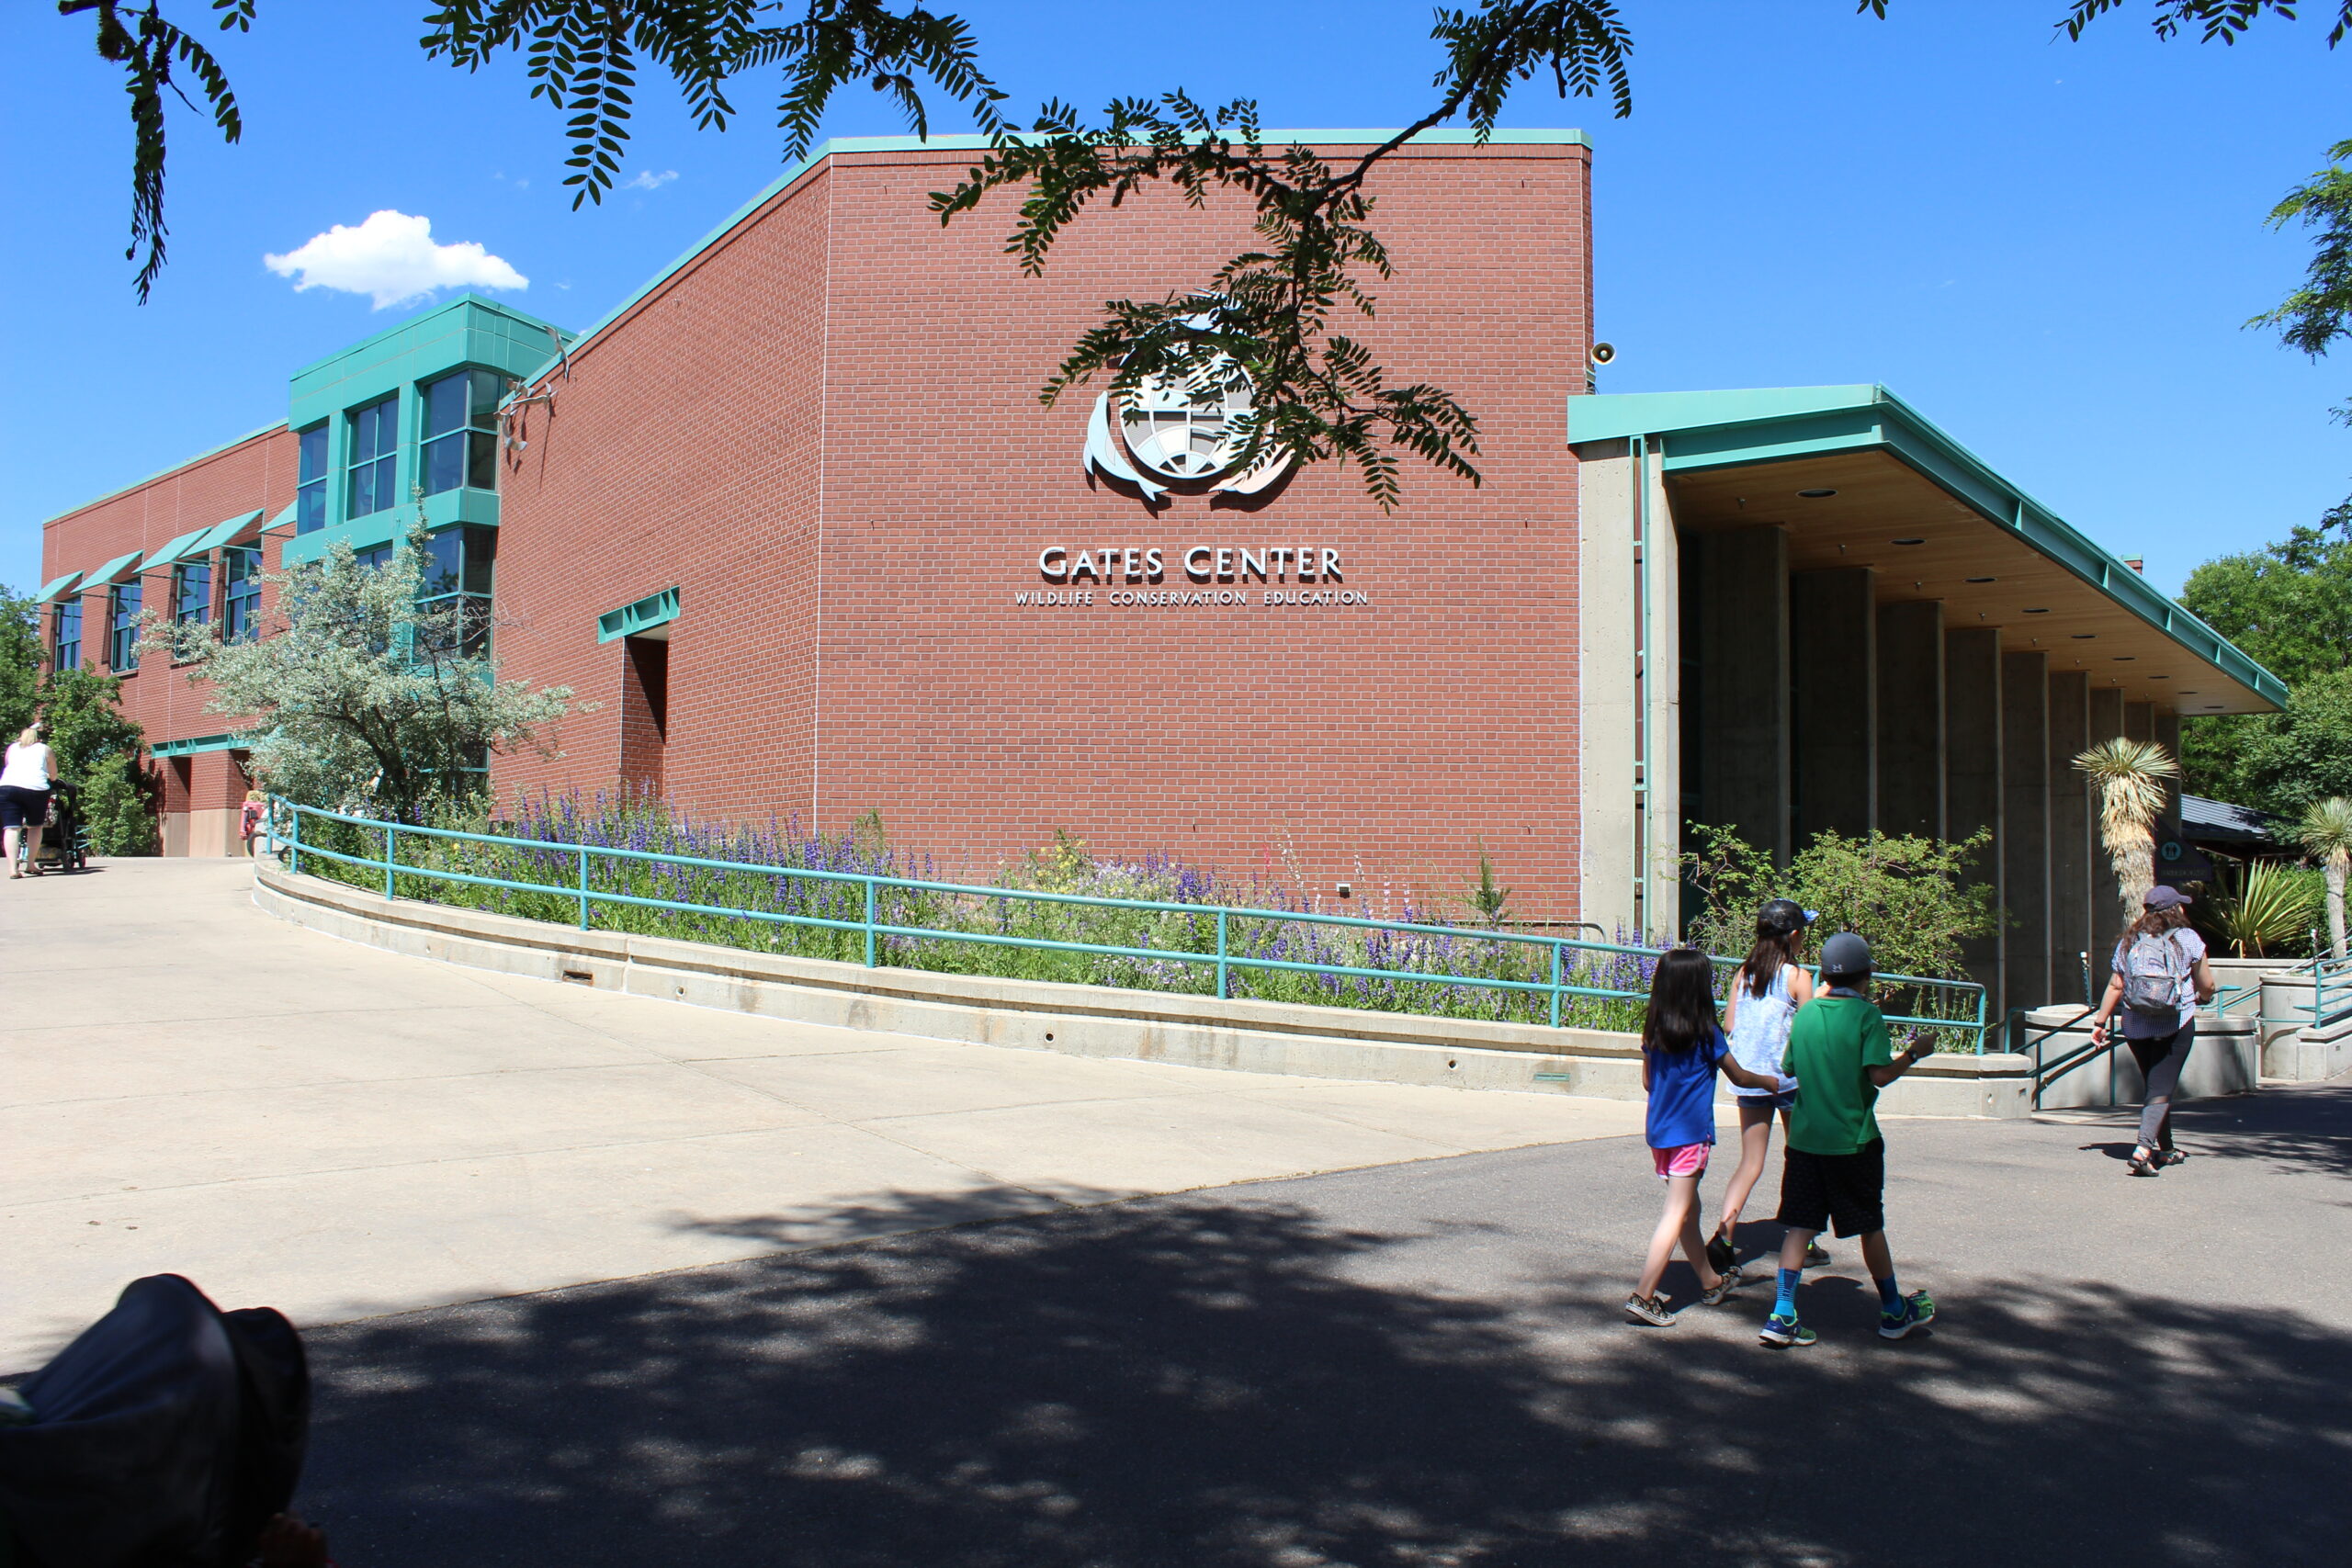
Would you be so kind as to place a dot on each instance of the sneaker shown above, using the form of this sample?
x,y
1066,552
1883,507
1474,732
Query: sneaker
x,y
1919,1310
1650,1310
1724,1287
1815,1255
1720,1255
1782,1332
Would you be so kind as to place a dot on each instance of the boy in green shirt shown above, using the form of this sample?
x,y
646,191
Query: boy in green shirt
x,y
1834,1171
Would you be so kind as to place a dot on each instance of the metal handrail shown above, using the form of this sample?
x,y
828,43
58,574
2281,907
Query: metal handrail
x,y
872,926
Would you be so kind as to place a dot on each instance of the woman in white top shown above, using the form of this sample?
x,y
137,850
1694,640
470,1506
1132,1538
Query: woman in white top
x,y
24,796
1766,992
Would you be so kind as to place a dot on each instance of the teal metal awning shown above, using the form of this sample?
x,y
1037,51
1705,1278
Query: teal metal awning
x,y
224,532
183,544
638,619
56,587
190,747
112,570
284,519
1699,434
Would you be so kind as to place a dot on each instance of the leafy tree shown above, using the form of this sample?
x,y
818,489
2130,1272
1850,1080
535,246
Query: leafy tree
x,y
1266,315
358,697
1916,899
100,752
20,663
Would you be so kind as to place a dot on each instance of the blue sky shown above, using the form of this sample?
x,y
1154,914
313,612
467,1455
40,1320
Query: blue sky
x,y
2047,247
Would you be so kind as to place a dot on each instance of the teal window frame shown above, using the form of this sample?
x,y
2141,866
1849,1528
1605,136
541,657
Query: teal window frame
x,y
65,634
192,591
372,474
311,471
124,602
458,435
240,594
457,567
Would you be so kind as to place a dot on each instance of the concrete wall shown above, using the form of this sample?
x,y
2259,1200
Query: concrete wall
x,y
1833,627
2025,827
1972,773
1606,653
1743,679
2070,833
1911,760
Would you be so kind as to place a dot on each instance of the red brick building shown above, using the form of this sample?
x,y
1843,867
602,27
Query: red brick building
x,y
795,521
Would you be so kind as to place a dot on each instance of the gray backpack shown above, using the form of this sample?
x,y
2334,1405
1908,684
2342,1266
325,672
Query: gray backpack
x,y
2153,971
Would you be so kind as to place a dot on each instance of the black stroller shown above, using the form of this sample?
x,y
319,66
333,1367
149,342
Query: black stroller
x,y
65,843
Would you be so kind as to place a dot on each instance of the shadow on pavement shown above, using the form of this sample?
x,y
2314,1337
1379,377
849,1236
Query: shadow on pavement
x,y
2291,1127
1199,1381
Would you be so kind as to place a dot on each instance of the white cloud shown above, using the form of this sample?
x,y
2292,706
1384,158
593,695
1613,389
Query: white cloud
x,y
646,179
391,257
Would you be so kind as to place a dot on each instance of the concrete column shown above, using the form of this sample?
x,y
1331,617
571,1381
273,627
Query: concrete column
x,y
2106,895
2167,734
1743,685
1972,773
2139,720
2025,827
2070,833
1833,644
1911,718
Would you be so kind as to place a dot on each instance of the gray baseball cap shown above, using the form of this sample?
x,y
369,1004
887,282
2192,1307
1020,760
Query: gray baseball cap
x,y
2162,897
1845,954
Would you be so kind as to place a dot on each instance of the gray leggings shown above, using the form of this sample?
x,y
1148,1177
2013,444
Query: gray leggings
x,y
2161,1060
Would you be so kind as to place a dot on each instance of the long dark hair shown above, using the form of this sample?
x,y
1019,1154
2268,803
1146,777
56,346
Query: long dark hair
x,y
2156,923
1682,1002
1774,948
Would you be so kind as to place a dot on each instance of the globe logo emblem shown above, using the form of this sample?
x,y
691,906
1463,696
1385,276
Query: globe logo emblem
x,y
1179,433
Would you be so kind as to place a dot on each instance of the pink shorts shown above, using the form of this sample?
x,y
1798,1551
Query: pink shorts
x,y
1690,1159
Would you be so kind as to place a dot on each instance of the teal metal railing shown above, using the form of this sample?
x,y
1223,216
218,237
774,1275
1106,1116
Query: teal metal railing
x,y
1953,1008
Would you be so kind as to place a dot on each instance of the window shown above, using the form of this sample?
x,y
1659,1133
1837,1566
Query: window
x,y
460,432
456,575
66,635
192,592
375,444
311,483
241,594
122,640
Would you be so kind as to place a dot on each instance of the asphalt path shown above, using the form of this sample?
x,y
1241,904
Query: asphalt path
x,y
1420,1364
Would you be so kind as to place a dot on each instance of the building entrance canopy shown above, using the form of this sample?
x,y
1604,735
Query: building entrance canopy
x,y
1858,479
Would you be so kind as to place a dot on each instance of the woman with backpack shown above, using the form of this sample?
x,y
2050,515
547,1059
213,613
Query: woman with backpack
x,y
2160,976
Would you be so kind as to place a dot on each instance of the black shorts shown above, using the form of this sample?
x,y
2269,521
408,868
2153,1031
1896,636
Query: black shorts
x,y
1818,1191
21,808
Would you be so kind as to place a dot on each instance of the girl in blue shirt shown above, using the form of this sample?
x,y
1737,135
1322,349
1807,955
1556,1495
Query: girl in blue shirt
x,y
1682,1049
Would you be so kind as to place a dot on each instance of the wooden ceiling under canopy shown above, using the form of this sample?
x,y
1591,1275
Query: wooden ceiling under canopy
x,y
1925,542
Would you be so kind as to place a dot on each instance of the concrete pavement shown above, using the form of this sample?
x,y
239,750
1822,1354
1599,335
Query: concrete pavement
x,y
1416,1365
189,1086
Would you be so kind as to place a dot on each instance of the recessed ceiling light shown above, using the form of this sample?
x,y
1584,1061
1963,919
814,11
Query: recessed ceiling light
x,y
1983,580
1817,494
1910,541
2213,708
2043,610
2159,677
2085,637
2125,657
2189,694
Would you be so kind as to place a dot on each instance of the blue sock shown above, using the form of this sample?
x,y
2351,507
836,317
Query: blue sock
x,y
1786,1305
1889,1299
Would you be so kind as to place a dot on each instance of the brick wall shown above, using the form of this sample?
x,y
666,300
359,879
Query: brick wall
x,y
825,430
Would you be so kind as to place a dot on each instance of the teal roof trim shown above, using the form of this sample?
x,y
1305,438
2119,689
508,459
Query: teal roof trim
x,y
1730,429
54,587
653,610
468,330
968,143
108,572
161,473
191,746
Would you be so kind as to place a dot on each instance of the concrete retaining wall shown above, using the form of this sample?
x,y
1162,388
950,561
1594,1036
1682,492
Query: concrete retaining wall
x,y
2226,1059
1087,1020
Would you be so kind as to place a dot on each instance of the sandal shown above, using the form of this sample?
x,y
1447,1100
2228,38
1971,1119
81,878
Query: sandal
x,y
2143,1163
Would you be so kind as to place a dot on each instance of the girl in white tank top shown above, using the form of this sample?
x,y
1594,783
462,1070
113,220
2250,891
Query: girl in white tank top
x,y
1758,1024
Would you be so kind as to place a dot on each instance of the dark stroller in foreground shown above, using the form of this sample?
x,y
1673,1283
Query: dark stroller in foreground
x,y
170,1434
65,843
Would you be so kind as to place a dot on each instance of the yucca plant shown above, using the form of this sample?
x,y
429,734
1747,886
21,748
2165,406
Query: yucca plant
x,y
2326,831
2271,908
2132,777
